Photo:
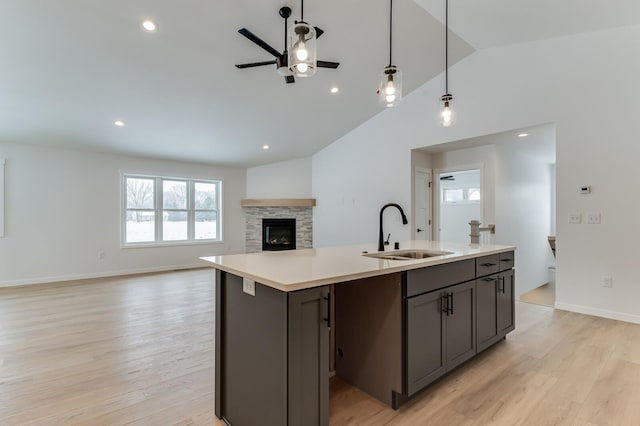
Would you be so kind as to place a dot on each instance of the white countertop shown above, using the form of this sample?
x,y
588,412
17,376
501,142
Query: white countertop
x,y
299,269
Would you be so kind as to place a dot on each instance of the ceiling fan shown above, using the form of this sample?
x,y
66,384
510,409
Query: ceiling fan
x,y
282,60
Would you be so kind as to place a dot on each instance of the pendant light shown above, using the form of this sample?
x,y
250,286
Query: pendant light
x,y
390,81
302,47
446,101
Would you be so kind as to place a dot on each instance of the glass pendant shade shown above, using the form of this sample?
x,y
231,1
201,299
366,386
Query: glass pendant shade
x,y
447,116
390,86
302,50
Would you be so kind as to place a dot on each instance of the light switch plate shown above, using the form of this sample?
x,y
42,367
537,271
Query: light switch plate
x,y
249,286
575,218
593,218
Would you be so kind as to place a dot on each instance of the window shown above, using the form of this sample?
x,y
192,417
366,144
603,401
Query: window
x,y
460,195
162,210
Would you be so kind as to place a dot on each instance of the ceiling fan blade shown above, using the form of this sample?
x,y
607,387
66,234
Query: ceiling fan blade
x,y
255,64
319,32
289,79
325,64
257,40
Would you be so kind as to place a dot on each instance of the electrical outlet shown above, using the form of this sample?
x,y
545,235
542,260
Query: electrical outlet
x,y
607,282
249,286
575,218
101,255
593,218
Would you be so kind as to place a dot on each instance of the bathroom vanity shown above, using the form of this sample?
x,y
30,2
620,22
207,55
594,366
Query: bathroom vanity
x,y
388,323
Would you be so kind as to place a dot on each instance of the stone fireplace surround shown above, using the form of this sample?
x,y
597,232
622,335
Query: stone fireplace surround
x,y
255,214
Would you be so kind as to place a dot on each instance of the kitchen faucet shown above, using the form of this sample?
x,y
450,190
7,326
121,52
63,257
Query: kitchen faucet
x,y
404,222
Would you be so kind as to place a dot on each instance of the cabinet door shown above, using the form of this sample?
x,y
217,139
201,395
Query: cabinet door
x,y
309,357
460,324
425,340
506,287
487,312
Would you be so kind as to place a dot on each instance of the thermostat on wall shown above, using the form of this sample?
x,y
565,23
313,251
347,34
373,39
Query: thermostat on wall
x,y
585,189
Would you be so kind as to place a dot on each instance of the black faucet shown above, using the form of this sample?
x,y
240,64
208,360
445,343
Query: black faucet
x,y
404,222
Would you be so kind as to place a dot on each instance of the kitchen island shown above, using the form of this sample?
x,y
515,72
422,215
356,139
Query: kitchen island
x,y
394,324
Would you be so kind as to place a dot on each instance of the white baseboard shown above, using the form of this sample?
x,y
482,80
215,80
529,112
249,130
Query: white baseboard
x,y
44,280
620,316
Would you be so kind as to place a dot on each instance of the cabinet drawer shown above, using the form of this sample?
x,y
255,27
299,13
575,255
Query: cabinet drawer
x,y
487,265
435,277
507,260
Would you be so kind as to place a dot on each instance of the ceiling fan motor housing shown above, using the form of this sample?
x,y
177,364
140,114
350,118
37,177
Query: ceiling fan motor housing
x,y
282,64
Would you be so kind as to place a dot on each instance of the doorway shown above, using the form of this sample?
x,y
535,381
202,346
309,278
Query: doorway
x,y
459,201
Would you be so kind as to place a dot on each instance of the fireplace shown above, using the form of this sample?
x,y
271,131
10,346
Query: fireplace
x,y
278,234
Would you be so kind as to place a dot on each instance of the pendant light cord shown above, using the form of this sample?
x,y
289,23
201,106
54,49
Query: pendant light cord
x,y
390,31
302,10
446,47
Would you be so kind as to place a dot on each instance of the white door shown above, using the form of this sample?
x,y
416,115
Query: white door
x,y
422,204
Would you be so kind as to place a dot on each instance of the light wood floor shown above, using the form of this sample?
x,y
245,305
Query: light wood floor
x,y
133,350
544,295
139,351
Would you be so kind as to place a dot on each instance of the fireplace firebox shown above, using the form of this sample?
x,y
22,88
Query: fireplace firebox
x,y
278,234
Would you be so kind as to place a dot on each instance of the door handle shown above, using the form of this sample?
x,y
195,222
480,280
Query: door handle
x,y
445,303
328,318
420,230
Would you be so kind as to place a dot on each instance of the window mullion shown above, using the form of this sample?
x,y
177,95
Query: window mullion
x,y
191,216
159,208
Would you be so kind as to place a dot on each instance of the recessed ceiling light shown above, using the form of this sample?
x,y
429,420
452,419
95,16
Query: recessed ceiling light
x,y
265,147
119,123
334,90
523,135
149,26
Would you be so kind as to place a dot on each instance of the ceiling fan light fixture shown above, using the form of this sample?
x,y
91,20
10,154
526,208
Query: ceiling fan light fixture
x,y
302,50
390,80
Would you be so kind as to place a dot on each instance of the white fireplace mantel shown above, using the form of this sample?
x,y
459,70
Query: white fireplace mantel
x,y
279,202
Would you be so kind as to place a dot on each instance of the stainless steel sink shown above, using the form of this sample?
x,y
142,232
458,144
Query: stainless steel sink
x,y
407,254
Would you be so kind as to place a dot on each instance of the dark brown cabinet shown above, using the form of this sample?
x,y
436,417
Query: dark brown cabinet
x,y
460,324
272,355
440,333
487,307
394,335
495,301
426,358
448,324
308,353
506,311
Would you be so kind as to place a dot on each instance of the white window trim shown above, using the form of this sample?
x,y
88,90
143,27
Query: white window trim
x,y
2,163
465,192
158,208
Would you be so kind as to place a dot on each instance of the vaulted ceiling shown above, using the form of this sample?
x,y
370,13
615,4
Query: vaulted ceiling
x,y
69,69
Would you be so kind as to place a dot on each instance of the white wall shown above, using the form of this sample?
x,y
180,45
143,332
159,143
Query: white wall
x,y
523,198
587,84
286,179
63,208
2,163
351,187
